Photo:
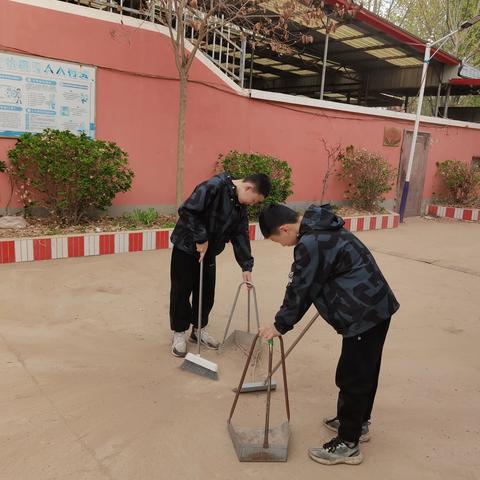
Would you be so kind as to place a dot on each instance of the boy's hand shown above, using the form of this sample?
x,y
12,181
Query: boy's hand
x,y
202,249
247,277
269,331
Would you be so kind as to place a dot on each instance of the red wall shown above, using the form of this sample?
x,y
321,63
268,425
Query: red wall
x,y
136,106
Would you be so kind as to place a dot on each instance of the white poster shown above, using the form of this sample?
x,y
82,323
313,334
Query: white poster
x,y
38,93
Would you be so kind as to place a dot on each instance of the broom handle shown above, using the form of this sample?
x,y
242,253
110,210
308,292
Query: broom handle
x,y
200,297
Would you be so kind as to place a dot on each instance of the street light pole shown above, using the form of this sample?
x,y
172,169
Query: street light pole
x,y
406,185
426,61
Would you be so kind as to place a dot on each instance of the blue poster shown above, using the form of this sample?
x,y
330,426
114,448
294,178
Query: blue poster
x,y
38,93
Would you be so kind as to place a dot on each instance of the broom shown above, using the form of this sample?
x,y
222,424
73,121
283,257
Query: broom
x,y
194,362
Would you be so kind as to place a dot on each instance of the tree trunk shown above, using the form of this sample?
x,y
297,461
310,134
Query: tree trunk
x,y
181,139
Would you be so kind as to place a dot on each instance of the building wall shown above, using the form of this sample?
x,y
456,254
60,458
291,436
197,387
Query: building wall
x,y
137,107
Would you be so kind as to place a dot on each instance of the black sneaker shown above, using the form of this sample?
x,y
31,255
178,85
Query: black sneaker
x,y
337,451
333,424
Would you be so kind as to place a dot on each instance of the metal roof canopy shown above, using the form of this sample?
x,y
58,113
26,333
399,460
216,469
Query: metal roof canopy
x,y
370,62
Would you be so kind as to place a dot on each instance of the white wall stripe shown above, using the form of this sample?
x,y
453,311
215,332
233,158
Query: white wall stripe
x,y
170,244
441,211
59,247
91,245
258,233
121,242
378,225
24,250
353,224
366,223
475,214
87,247
390,221
148,240
458,214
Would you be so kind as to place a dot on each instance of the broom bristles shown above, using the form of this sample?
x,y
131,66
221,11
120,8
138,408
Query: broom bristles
x,y
200,366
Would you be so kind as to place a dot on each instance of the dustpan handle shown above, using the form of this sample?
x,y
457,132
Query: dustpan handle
x,y
269,393
232,311
284,371
244,373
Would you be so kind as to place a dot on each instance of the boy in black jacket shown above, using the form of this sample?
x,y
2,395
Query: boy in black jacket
x,y
214,214
336,272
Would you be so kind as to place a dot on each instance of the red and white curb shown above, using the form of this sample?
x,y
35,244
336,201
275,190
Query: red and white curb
x,y
92,244
471,214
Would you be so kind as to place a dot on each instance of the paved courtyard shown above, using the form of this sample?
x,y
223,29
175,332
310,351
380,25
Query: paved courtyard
x,y
89,389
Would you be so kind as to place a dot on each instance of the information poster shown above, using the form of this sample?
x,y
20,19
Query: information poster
x,y
37,93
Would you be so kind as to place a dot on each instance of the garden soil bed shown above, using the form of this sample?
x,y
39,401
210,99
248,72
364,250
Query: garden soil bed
x,y
42,227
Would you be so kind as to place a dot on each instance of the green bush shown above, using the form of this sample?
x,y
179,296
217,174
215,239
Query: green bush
x,y
3,166
141,217
240,165
68,175
460,181
368,176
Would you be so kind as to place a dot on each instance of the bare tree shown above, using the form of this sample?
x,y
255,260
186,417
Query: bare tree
x,y
333,156
268,26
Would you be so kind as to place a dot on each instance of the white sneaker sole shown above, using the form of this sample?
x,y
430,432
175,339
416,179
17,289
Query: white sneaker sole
x,y
357,459
178,354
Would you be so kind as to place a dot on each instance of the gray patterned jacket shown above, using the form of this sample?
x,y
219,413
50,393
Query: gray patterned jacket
x,y
213,213
336,272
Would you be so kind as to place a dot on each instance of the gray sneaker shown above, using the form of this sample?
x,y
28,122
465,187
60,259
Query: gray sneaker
x,y
179,344
205,339
333,424
337,451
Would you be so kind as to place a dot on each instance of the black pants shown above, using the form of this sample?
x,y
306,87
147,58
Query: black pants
x,y
357,378
184,277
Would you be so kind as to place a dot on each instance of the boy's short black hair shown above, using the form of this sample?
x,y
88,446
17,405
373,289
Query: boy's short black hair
x,y
260,182
273,216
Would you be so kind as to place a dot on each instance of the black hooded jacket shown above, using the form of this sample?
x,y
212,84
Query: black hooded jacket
x,y
336,272
213,213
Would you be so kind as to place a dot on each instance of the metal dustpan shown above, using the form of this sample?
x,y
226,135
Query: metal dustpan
x,y
262,444
241,338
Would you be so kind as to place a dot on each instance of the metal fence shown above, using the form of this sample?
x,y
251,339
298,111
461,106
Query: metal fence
x,y
224,44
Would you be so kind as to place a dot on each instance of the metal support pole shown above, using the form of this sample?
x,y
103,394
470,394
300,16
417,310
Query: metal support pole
x,y
403,201
447,98
437,103
243,52
220,51
324,66
250,80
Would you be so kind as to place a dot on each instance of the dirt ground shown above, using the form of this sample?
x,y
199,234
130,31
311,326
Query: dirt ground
x,y
89,389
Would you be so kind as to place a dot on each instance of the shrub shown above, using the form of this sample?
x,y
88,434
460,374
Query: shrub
x,y
461,182
141,217
68,175
369,177
240,165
